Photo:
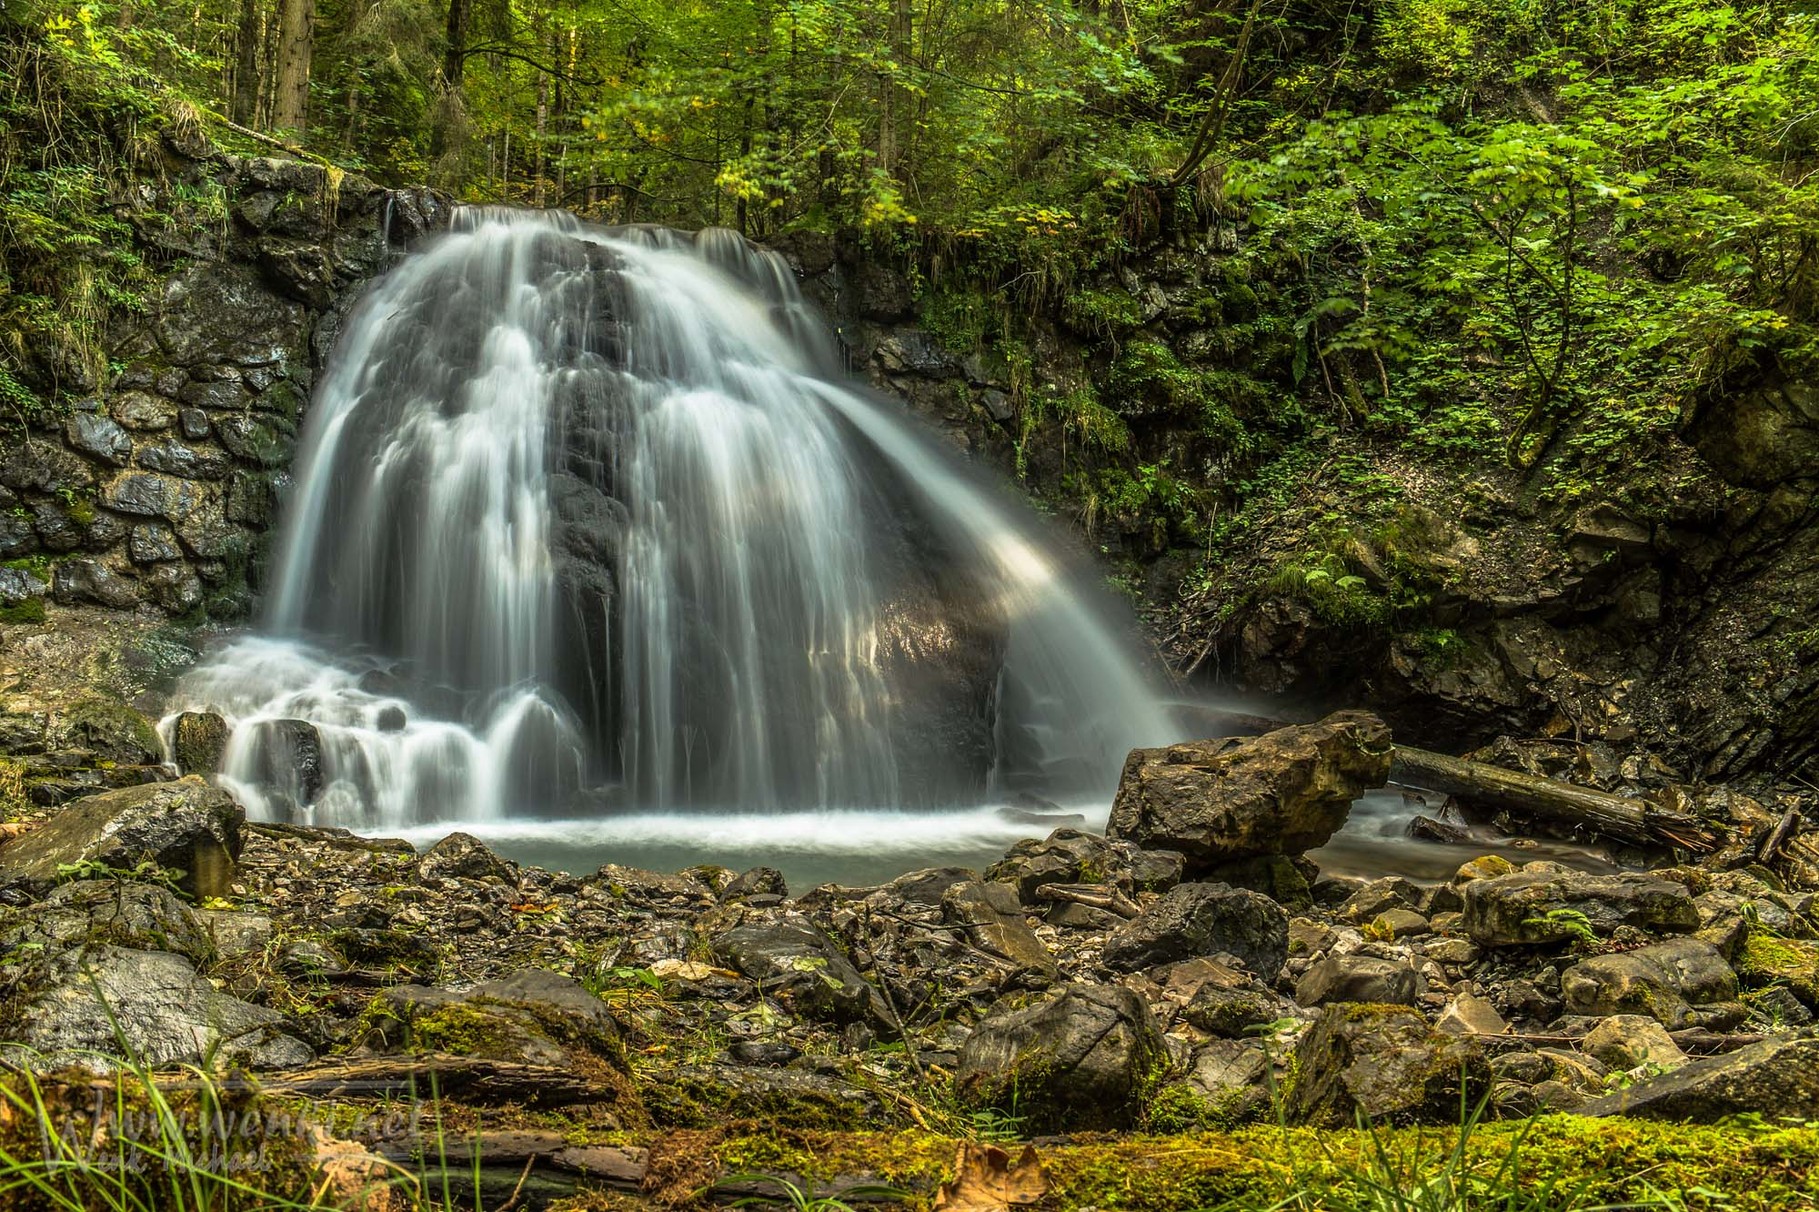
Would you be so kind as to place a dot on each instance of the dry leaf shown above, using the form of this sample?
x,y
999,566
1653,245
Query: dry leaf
x,y
350,1177
681,970
986,1180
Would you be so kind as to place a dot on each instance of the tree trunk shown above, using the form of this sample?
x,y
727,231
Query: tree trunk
x,y
246,69
296,35
1599,812
454,53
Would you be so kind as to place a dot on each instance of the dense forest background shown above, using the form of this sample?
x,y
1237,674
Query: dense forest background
x,y
1514,243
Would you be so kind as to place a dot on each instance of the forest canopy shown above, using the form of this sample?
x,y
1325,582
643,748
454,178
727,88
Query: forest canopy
x,y
1484,227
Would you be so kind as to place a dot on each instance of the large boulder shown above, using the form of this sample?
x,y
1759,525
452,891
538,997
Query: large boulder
x,y
198,739
1203,919
1662,980
1080,1056
1226,801
186,826
1547,903
1384,1062
1777,1079
94,1005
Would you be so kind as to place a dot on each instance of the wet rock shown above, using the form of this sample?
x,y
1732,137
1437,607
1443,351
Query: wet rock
x,y
287,759
803,968
763,1052
76,582
148,494
1278,794
1379,897
1776,1079
221,312
1359,978
1203,919
152,543
17,585
929,886
1628,1041
1767,959
701,1096
143,412
186,825
759,881
110,731
186,462
1546,903
993,918
1663,980
535,1017
1077,1057
105,1001
198,739
1230,1009
1385,1063
461,856
1230,1077
1069,856
122,913
99,435
235,932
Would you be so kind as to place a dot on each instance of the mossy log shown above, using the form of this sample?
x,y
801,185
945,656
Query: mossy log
x,y
443,1074
1599,812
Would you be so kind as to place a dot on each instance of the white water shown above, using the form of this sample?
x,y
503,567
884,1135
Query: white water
x,y
587,528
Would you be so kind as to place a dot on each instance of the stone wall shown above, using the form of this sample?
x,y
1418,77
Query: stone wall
x,y
157,489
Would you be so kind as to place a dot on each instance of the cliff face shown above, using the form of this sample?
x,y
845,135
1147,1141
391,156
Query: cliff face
x,y
159,487
1683,620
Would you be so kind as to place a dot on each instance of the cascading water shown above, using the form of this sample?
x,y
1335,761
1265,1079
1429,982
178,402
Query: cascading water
x,y
586,523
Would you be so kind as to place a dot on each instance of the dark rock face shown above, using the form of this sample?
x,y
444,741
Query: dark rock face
x,y
1078,1057
535,1017
1545,903
1228,800
1387,1064
1777,1079
1204,919
186,825
210,387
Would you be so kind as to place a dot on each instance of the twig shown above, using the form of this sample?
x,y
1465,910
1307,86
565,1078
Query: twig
x,y
518,1190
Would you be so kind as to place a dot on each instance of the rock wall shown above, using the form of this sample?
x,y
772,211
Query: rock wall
x,y
158,488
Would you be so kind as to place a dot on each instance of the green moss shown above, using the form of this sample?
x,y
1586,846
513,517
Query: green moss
x,y
113,730
467,1031
25,613
1767,959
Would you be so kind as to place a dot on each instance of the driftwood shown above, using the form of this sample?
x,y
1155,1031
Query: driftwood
x,y
441,1073
1098,896
1617,816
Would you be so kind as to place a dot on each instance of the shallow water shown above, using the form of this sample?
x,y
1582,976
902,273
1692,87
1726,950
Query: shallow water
x,y
863,848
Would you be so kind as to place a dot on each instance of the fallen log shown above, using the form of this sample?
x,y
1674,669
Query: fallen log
x,y
1599,812
441,1074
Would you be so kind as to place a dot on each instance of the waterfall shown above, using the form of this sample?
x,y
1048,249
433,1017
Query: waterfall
x,y
589,522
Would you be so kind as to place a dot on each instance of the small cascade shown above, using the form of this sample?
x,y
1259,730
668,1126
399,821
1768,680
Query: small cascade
x,y
588,522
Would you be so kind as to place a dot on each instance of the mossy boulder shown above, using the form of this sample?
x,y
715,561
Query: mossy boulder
x,y
185,826
112,732
1080,1056
198,739
1548,903
1776,1080
1385,1063
1769,960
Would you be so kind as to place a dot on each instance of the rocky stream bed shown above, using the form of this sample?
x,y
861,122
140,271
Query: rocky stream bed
x,y
632,1035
